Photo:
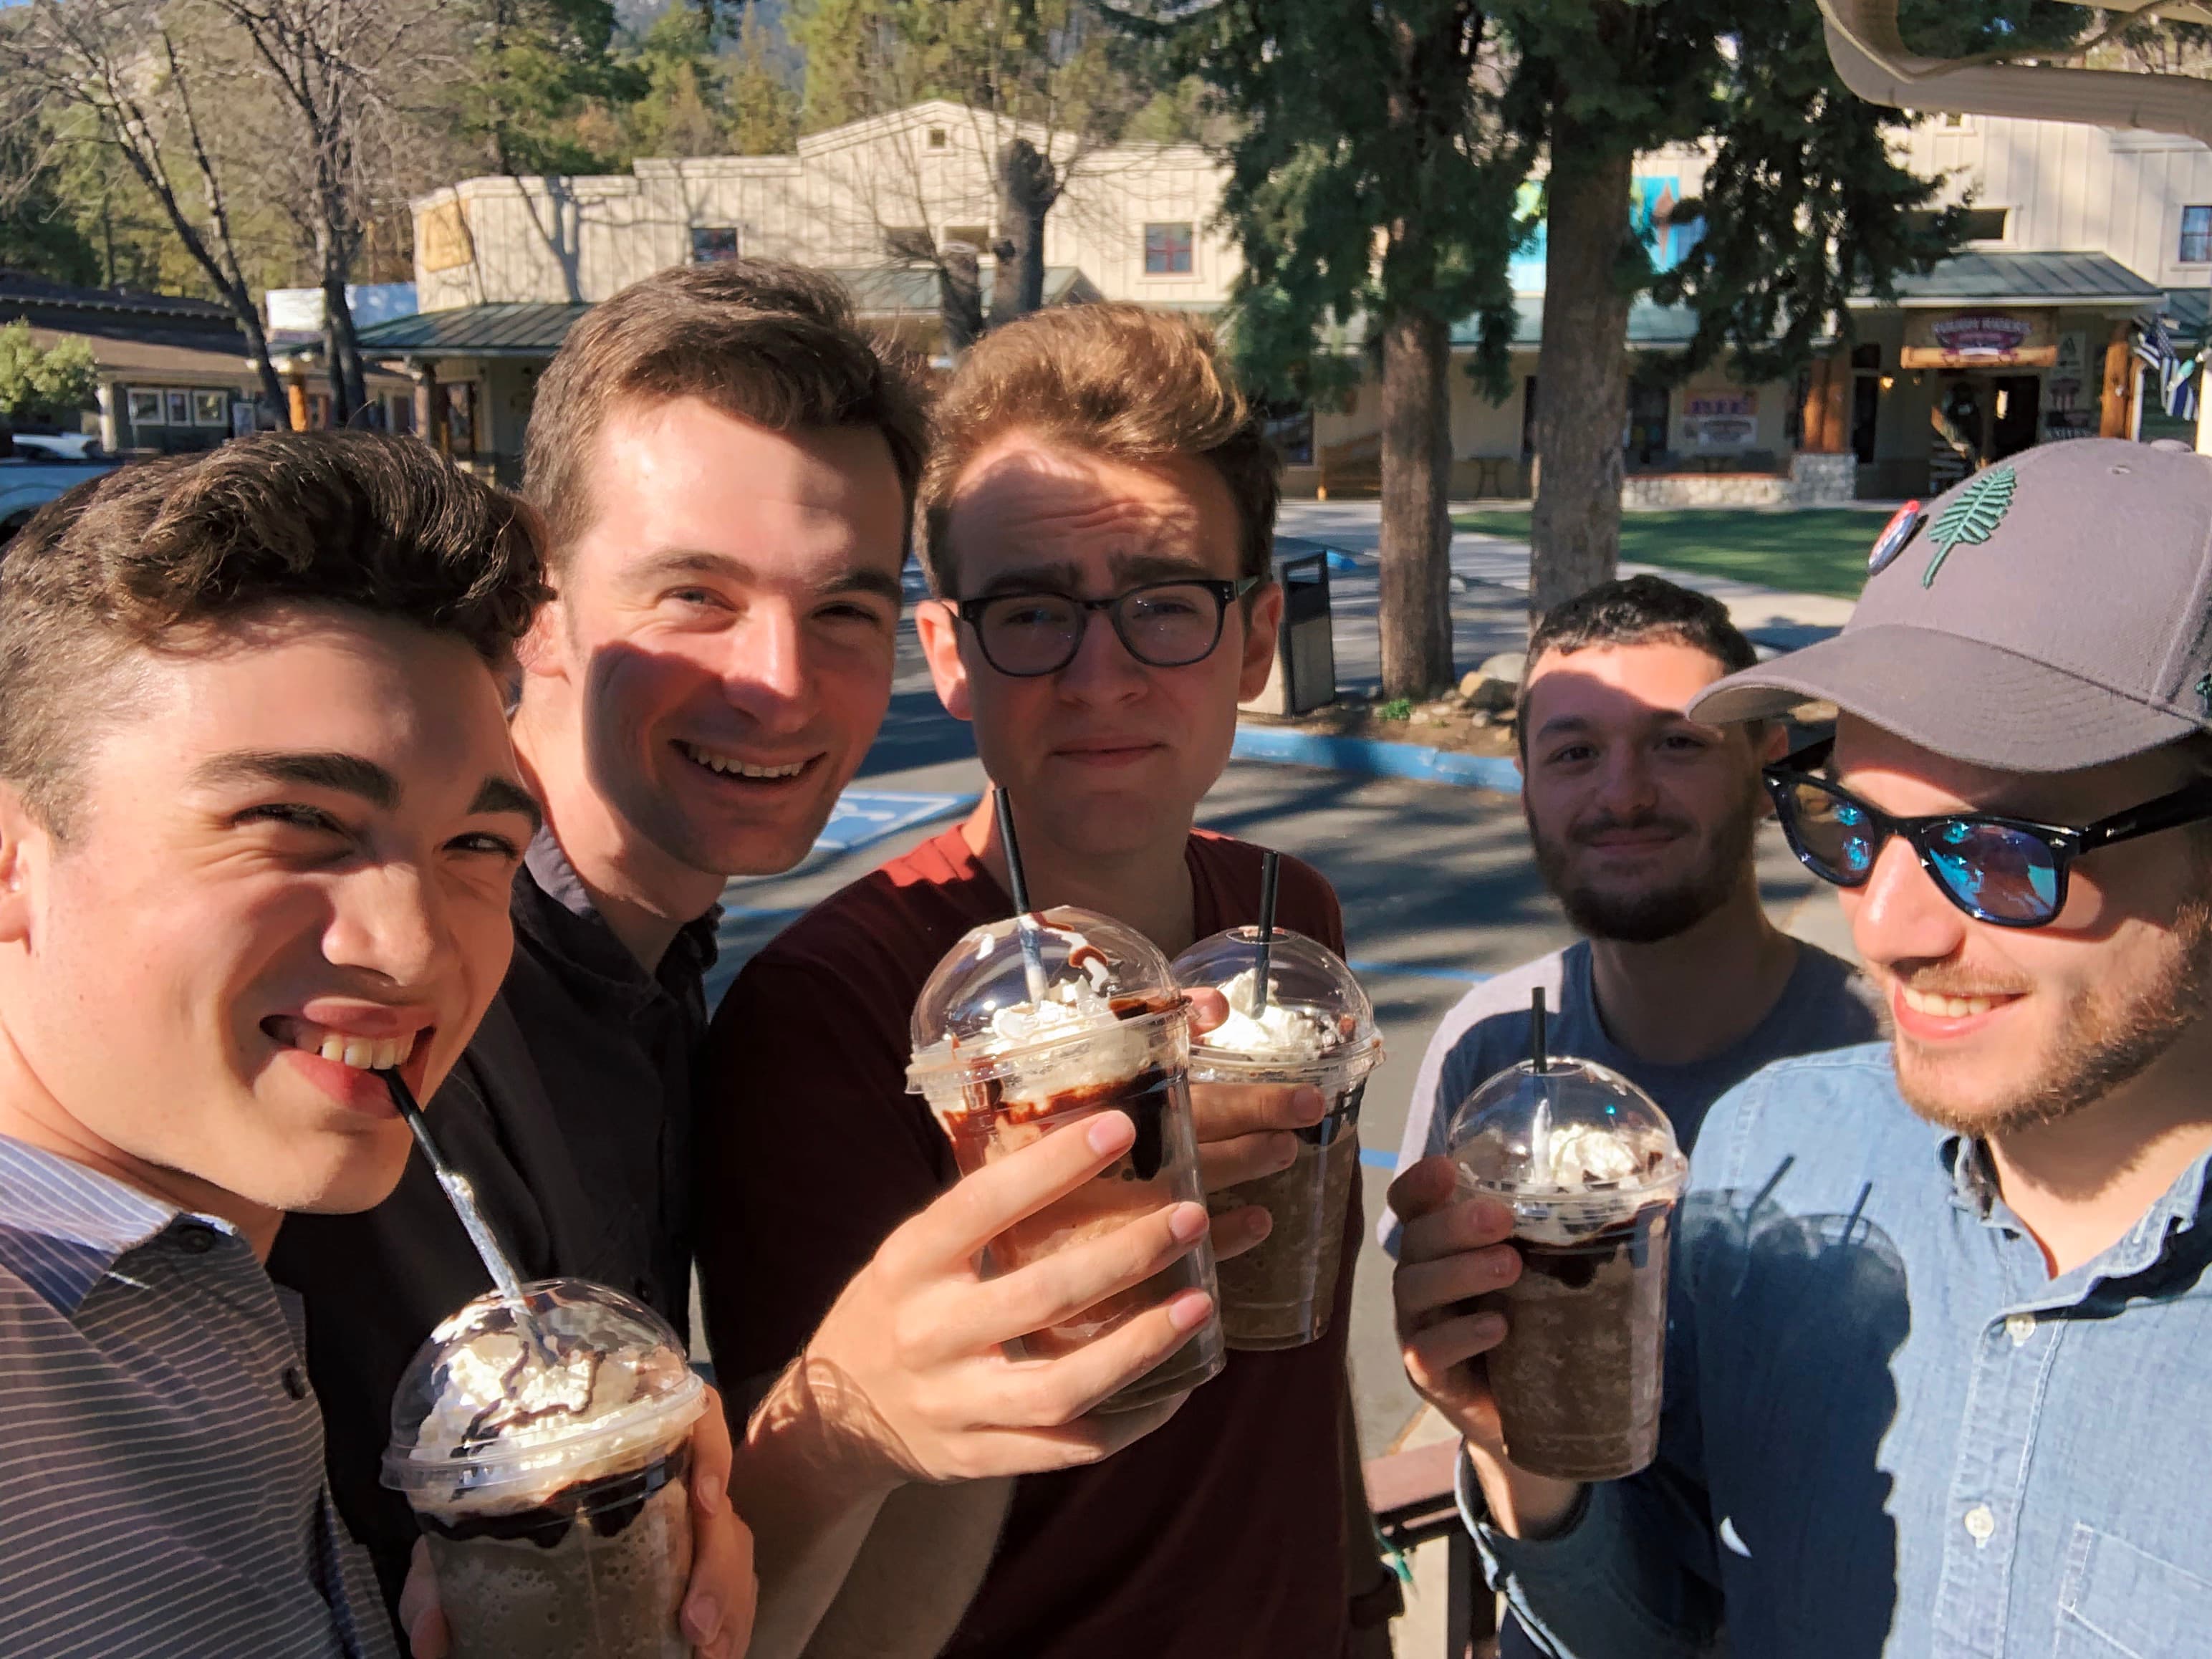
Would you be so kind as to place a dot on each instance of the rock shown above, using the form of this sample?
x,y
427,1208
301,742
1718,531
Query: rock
x,y
1481,717
1420,717
1470,683
1492,696
1507,666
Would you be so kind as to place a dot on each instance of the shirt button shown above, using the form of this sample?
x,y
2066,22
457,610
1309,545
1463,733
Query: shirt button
x,y
2019,1327
1980,1523
195,1240
295,1384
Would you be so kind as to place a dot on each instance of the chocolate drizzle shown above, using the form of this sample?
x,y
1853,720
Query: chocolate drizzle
x,y
606,1504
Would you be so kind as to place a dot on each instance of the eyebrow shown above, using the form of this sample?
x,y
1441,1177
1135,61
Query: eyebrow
x,y
859,579
350,775
1560,725
498,794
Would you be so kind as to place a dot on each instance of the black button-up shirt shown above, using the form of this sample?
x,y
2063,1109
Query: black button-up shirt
x,y
571,1115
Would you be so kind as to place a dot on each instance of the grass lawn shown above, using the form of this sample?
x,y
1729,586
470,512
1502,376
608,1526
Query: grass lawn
x,y
1810,550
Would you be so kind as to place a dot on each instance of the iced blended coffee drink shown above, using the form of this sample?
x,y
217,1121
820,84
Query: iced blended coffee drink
x,y
1015,1041
1314,1025
547,1466
1590,1166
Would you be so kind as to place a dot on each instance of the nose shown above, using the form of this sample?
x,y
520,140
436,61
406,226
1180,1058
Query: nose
x,y
765,675
1625,787
1103,670
388,920
1899,916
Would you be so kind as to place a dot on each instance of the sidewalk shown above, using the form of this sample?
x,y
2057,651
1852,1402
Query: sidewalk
x,y
1489,610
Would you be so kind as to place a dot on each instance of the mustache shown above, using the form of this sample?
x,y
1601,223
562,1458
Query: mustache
x,y
1952,982
1606,823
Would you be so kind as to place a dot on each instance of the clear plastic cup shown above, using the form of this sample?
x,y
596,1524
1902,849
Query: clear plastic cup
x,y
1011,1044
547,1467
1318,1028
1590,1167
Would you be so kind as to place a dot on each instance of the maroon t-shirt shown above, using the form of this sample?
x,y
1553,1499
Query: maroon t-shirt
x,y
1220,1534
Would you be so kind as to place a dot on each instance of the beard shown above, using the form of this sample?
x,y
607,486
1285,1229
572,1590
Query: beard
x,y
2102,1042
1649,915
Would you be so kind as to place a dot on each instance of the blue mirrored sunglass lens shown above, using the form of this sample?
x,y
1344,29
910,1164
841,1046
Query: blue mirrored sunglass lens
x,y
1833,835
2003,872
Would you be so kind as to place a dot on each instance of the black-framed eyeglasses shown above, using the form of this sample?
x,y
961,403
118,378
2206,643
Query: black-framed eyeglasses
x,y
2010,872
1164,624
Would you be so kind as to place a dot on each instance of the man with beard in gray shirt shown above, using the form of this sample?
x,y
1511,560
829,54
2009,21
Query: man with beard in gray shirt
x,y
1642,822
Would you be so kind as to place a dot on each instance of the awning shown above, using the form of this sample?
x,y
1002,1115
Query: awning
x,y
535,330
1982,278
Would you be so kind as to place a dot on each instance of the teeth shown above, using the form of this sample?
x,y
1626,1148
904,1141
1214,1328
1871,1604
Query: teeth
x,y
362,1054
1926,1002
729,767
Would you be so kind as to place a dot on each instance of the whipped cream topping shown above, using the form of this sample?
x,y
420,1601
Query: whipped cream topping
x,y
1576,1180
1277,1031
536,1416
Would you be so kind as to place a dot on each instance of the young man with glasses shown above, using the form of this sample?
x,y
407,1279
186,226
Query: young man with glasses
x,y
1643,822
1099,511
1940,1330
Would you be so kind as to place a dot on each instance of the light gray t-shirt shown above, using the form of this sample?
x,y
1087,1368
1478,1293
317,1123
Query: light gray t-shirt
x,y
1827,1004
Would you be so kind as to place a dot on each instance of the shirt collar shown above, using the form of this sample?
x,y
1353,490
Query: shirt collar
x,y
1974,1189
63,1226
563,915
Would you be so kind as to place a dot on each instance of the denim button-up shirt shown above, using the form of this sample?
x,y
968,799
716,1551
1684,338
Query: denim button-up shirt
x,y
1888,1431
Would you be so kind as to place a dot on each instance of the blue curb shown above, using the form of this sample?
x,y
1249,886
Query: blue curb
x,y
1375,1158
1367,757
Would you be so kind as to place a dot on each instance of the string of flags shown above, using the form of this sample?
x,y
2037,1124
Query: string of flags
x,y
2174,362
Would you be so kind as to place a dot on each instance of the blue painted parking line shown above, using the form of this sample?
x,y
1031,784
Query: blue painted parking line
x,y
866,816
1368,758
1375,969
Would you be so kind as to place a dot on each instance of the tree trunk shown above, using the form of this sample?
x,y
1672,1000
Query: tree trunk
x,y
1416,566
248,316
1581,372
959,296
342,345
1026,193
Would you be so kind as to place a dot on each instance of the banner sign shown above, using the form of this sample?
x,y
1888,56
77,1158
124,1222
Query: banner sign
x,y
1720,419
1977,339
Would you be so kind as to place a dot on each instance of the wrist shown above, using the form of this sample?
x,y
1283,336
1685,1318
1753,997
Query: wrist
x,y
817,1423
1530,1507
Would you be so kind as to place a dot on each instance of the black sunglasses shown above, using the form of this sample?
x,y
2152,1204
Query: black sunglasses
x,y
1164,624
2010,872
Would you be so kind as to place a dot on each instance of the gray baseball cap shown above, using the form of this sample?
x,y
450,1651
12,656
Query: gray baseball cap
x,y
2051,611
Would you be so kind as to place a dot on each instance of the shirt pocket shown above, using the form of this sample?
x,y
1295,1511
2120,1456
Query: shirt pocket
x,y
2120,1603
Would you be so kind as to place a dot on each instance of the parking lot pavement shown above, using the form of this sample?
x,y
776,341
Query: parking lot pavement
x,y
1437,888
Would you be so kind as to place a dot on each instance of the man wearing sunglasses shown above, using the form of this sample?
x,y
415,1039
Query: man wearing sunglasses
x,y
1941,1328
1099,511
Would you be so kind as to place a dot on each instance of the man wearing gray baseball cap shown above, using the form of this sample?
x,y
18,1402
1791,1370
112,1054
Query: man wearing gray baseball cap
x,y
1940,1352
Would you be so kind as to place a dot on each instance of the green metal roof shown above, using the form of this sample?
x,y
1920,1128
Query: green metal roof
x,y
2025,279
515,330
488,331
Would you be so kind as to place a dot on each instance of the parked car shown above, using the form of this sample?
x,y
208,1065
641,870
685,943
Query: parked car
x,y
27,484
59,447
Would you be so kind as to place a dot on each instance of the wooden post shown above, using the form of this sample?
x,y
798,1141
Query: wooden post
x,y
1826,414
296,395
2117,400
430,406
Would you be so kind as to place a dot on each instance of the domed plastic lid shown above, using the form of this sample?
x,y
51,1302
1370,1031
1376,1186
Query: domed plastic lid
x,y
1029,983
1572,1145
493,1406
1315,1010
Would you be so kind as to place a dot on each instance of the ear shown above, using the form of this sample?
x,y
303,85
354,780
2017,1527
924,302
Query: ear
x,y
542,651
1772,741
23,843
1262,622
939,626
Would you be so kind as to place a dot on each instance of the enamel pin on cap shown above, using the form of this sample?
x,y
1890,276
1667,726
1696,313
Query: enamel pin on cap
x,y
1901,529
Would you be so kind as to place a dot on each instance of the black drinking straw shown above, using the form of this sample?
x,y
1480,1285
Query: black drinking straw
x,y
457,1192
1024,930
1536,1058
1271,865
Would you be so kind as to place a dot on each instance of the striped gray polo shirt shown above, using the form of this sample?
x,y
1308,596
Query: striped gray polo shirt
x,y
161,1490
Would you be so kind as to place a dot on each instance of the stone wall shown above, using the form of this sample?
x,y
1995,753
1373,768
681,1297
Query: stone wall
x,y
1675,489
1823,480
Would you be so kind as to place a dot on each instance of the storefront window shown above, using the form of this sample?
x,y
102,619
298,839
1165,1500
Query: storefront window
x,y
711,243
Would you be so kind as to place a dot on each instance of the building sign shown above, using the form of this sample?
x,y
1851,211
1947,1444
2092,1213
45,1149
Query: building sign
x,y
1720,419
1977,339
2070,395
1652,200
442,238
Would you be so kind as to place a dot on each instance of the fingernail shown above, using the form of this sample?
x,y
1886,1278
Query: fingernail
x,y
1259,1223
702,1616
1188,1312
1490,1327
1311,1104
1189,1222
710,1494
1109,1131
1287,1150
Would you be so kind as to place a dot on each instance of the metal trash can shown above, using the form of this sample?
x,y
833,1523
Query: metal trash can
x,y
1303,678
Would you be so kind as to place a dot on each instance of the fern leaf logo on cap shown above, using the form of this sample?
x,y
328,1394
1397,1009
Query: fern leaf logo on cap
x,y
1973,514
